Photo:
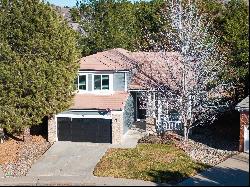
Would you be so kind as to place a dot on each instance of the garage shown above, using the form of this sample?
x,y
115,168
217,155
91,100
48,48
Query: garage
x,y
96,130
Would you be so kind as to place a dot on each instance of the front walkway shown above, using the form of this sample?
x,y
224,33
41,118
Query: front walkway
x,y
130,139
232,172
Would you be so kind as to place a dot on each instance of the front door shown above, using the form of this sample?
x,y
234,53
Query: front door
x,y
141,111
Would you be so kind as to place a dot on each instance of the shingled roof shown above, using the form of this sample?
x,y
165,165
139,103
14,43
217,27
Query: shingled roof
x,y
111,60
156,68
114,101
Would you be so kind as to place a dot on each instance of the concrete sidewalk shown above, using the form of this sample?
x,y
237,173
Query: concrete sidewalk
x,y
73,181
232,172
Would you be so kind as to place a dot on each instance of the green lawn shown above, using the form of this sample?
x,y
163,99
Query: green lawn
x,y
152,162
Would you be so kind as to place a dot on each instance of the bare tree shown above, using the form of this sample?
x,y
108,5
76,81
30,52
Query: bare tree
x,y
191,85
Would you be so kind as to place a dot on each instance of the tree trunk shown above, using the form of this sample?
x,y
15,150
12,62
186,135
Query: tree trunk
x,y
1,135
186,132
26,135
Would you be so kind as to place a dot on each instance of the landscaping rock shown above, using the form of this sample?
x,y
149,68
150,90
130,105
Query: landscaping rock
x,y
27,154
196,150
203,153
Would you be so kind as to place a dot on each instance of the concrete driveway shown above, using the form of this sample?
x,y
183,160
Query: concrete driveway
x,y
69,159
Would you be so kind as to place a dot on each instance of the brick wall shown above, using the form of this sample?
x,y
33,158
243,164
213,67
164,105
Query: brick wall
x,y
244,120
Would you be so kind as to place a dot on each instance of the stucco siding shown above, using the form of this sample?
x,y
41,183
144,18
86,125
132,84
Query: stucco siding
x,y
90,82
119,81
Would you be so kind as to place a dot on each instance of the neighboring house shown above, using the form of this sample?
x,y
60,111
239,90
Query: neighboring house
x,y
65,13
243,108
107,101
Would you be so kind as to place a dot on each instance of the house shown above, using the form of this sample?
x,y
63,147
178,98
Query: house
x,y
243,108
107,99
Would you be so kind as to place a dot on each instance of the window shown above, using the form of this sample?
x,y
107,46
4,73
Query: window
x,y
82,82
174,116
101,82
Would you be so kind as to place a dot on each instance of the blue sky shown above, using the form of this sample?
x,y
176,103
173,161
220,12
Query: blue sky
x,y
62,3
69,3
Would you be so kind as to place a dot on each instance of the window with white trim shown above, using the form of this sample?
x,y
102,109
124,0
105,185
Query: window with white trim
x,y
81,82
101,82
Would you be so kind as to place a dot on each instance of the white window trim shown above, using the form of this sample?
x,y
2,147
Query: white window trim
x,y
82,91
110,90
126,82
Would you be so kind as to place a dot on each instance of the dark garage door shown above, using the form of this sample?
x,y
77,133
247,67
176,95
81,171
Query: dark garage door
x,y
84,130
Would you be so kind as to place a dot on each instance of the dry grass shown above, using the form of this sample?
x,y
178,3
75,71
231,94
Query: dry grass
x,y
152,162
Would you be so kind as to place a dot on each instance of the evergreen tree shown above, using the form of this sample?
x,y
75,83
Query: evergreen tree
x,y
150,23
38,63
108,24
234,28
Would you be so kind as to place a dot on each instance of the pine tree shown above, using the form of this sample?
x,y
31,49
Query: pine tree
x,y
38,63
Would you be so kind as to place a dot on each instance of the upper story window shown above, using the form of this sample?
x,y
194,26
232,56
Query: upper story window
x,y
81,82
101,82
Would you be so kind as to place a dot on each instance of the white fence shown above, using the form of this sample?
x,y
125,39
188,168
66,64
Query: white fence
x,y
169,125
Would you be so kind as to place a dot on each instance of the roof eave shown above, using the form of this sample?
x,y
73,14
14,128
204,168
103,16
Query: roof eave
x,y
112,109
242,108
112,70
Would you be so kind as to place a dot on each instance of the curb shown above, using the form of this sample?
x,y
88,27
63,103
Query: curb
x,y
74,181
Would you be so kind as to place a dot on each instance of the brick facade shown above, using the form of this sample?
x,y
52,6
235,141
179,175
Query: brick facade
x,y
52,129
244,120
117,127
